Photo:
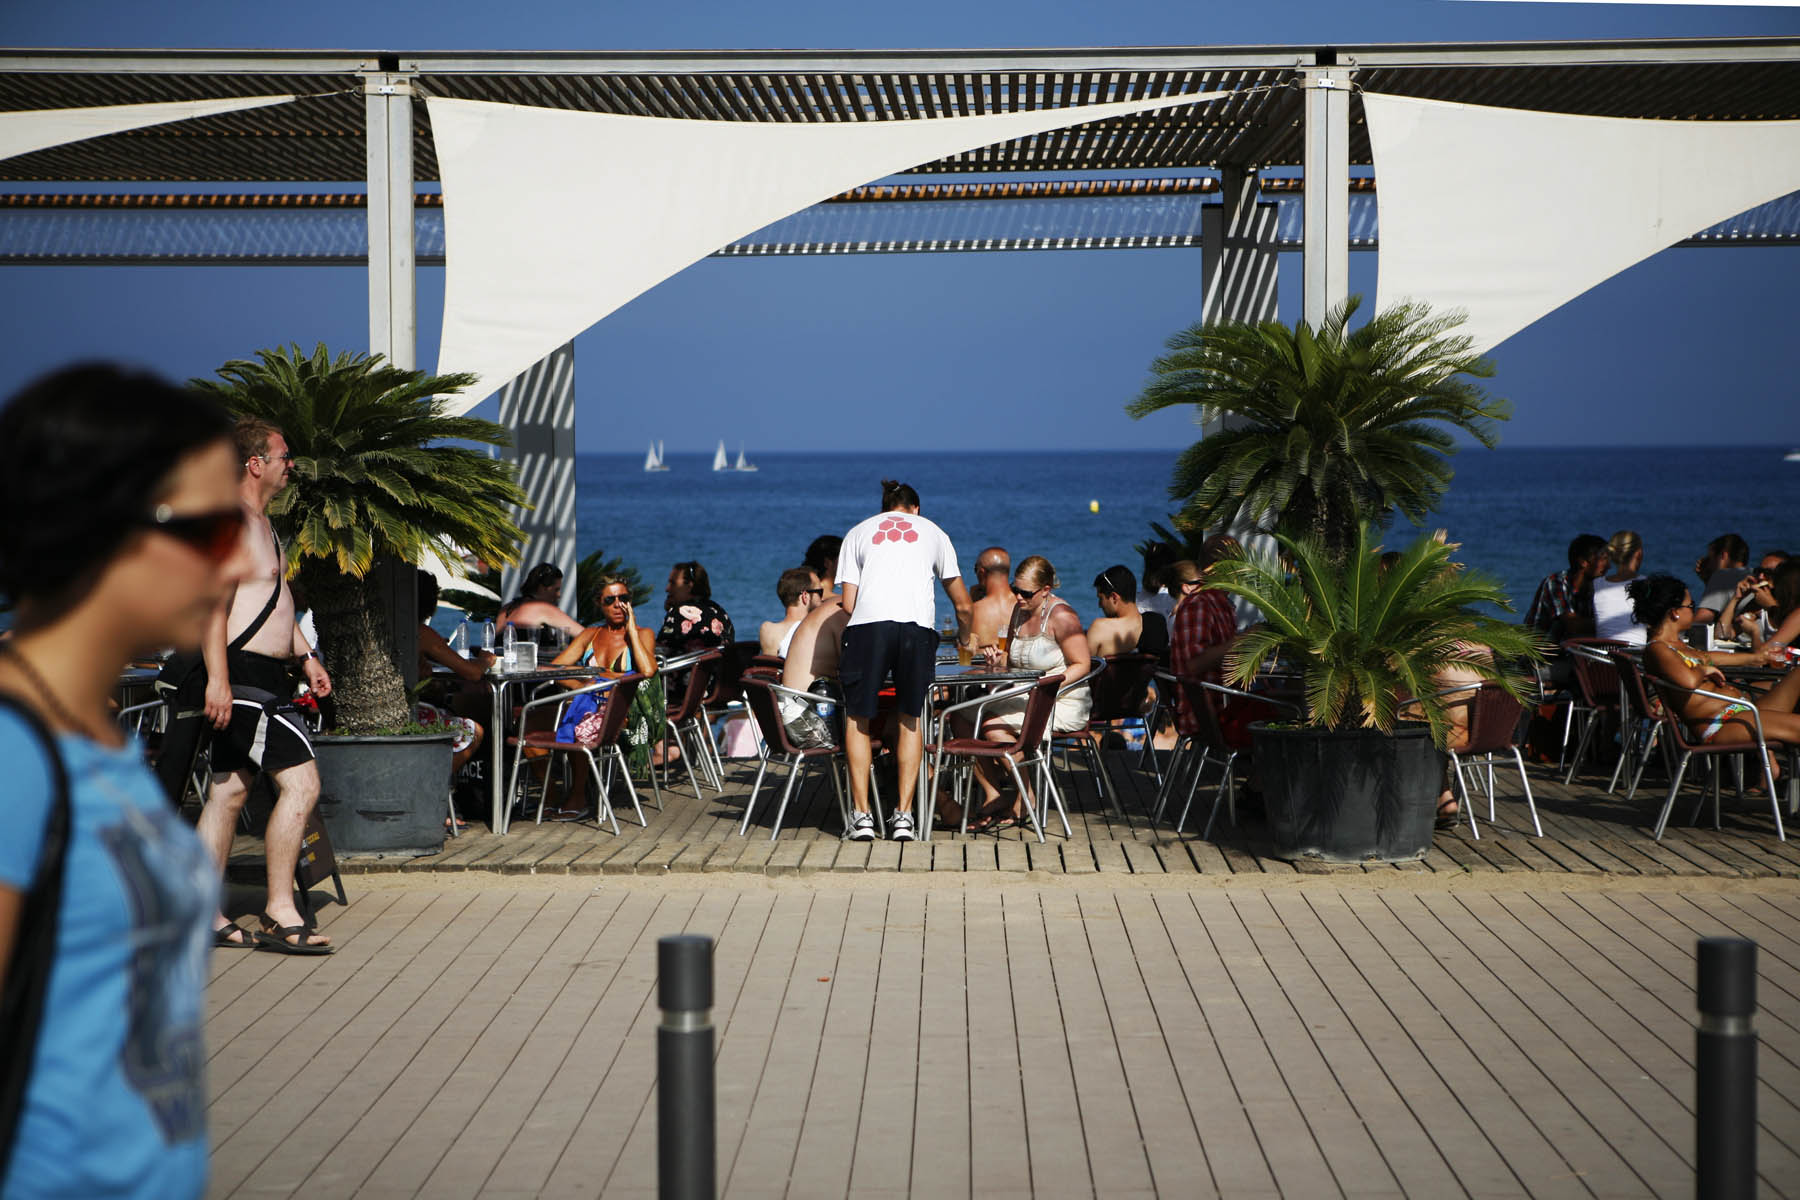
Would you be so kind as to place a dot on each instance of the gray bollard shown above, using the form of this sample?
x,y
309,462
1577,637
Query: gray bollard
x,y
686,1143
1725,1071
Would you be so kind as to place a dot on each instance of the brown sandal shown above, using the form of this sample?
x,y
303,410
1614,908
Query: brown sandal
x,y
275,937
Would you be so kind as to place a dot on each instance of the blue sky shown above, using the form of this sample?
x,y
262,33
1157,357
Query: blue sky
x,y
1020,350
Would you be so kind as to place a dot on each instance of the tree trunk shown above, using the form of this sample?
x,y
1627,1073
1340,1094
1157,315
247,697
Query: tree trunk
x,y
354,640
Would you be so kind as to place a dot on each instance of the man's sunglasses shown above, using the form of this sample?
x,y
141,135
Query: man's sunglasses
x,y
214,535
286,458
817,593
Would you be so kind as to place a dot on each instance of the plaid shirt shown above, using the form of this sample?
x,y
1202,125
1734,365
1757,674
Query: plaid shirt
x,y
1556,600
1201,621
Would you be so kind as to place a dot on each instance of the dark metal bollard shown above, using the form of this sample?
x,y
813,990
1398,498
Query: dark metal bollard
x,y
686,1144
1725,1074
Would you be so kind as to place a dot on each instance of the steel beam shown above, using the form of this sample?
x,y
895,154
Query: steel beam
x,y
393,308
1327,238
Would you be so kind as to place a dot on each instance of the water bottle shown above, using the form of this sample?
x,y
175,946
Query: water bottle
x,y
459,639
487,636
509,657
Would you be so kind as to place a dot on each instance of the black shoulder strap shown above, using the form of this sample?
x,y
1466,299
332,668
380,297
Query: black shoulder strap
x,y
34,946
243,639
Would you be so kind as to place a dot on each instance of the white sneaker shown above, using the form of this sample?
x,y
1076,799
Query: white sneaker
x,y
862,827
900,827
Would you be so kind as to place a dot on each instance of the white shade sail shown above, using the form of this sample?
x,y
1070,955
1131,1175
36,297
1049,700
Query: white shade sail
x,y
40,129
553,219
1510,214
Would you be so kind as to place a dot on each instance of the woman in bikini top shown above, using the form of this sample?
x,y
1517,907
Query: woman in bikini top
x,y
1665,607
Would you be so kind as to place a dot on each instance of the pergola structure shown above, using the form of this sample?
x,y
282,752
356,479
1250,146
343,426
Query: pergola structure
x,y
1289,124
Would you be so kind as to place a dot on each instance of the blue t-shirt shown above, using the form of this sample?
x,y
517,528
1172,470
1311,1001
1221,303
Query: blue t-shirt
x,y
116,1105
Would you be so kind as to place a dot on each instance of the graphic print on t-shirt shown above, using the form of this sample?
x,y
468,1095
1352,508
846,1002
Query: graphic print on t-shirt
x,y
894,529
163,1057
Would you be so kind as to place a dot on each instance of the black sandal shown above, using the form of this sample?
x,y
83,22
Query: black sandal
x,y
275,937
234,936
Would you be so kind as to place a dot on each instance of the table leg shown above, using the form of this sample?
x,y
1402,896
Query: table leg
x,y
497,756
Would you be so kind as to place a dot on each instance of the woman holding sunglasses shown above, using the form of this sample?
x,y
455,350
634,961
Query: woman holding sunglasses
x,y
1044,635
617,646
123,533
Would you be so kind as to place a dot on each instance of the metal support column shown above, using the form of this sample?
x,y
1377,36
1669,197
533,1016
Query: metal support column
x,y
1238,255
1327,252
393,316
538,409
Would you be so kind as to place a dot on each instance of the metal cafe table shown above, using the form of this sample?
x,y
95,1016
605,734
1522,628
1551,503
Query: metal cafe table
x,y
952,676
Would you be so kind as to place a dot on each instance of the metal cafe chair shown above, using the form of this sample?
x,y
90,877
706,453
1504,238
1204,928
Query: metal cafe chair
x,y
763,696
1211,744
686,724
1030,748
1494,718
1641,725
616,705
1595,697
1080,740
1687,748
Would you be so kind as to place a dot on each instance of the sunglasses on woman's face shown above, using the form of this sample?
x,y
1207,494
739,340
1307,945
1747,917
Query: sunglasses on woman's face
x,y
1193,584
1025,593
615,598
214,535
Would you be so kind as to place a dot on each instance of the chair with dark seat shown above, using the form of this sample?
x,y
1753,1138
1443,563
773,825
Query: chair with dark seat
x,y
615,707
1120,695
1029,748
1645,727
1595,699
1212,742
1688,747
686,724
1494,718
762,696
1079,739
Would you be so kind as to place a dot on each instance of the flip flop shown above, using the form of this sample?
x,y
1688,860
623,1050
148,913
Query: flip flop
x,y
1449,812
234,936
275,937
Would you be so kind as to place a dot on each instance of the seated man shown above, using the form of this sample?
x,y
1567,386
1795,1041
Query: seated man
x,y
1563,606
798,589
811,664
1122,627
1720,569
994,599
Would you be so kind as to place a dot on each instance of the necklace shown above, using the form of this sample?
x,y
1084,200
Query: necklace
x,y
43,689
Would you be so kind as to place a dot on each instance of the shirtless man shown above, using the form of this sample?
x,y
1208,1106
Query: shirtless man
x,y
1119,630
994,605
798,589
812,654
250,706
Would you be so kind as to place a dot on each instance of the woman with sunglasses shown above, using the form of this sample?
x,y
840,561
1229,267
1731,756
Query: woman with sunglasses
x,y
1665,607
1044,635
617,646
123,534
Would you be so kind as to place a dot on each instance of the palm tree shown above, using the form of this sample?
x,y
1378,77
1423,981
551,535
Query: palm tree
x,y
1366,636
375,477
1322,427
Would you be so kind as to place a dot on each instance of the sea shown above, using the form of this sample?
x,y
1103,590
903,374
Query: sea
x,y
1512,511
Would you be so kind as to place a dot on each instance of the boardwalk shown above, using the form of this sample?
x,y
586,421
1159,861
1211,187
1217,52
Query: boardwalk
x,y
973,1036
1587,833
1120,1013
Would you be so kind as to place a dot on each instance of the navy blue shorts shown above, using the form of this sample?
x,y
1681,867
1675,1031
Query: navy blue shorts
x,y
874,651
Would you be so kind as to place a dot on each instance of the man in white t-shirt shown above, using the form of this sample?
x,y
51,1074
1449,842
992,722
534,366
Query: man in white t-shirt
x,y
886,566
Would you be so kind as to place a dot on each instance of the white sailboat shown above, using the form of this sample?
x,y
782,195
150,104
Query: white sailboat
x,y
720,461
742,464
653,461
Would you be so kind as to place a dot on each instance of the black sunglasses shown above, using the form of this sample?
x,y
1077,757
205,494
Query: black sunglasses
x,y
1023,594
818,592
214,535
615,598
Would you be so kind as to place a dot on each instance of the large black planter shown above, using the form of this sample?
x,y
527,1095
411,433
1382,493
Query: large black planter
x,y
1351,795
384,795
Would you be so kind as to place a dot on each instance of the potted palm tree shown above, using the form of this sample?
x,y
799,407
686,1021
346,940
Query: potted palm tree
x,y
379,477
1318,436
1356,777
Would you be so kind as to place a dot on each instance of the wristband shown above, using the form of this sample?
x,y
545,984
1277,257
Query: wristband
x,y
312,654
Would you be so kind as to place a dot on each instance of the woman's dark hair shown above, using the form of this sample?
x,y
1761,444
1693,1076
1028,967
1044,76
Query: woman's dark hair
x,y
538,578
85,453
822,552
1654,597
428,594
1784,586
695,574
